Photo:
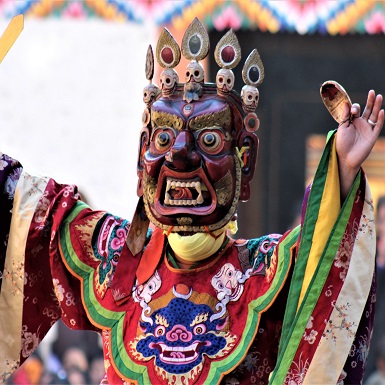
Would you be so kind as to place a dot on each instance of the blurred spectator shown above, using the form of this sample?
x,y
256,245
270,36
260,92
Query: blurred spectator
x,y
76,376
49,378
378,376
97,371
89,342
75,357
28,374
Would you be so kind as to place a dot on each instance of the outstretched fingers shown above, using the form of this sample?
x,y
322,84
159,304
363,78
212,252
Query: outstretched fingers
x,y
355,110
380,122
374,116
372,108
370,101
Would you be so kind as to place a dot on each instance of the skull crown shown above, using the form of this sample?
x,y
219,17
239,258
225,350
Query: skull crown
x,y
195,47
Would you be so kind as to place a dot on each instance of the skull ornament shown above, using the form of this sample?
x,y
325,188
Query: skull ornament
x,y
150,92
225,81
250,98
168,80
194,73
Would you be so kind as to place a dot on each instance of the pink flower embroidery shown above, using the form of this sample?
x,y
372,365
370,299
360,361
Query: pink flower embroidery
x,y
29,343
59,290
41,210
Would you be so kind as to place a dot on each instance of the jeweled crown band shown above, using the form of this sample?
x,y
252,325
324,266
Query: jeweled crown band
x,y
195,47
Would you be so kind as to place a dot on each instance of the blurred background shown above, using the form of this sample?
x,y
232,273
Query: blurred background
x,y
71,90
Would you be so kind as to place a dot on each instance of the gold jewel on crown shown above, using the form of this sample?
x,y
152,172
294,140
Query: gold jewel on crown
x,y
195,47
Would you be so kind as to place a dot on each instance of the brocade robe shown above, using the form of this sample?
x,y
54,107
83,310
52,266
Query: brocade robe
x,y
292,309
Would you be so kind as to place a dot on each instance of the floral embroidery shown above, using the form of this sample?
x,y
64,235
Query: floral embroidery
x,y
10,184
41,210
367,222
342,259
70,299
344,253
329,292
312,336
33,278
35,183
50,313
341,323
29,342
15,276
59,290
36,250
297,372
3,164
11,366
359,350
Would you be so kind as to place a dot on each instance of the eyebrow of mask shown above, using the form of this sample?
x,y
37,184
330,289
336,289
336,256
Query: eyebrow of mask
x,y
160,119
218,118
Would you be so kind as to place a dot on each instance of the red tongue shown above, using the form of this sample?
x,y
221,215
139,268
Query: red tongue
x,y
183,193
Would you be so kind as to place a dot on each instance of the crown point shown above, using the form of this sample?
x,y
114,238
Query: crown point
x,y
167,50
195,42
149,64
167,55
228,54
253,74
228,51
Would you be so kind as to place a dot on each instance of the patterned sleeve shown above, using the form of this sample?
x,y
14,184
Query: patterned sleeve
x,y
32,209
10,171
329,319
355,364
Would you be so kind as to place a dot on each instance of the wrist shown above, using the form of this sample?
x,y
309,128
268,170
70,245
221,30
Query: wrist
x,y
347,175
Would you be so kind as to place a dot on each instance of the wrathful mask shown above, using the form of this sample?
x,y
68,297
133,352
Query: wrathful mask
x,y
198,146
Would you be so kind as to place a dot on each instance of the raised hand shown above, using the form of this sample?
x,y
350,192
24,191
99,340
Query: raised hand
x,y
356,138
